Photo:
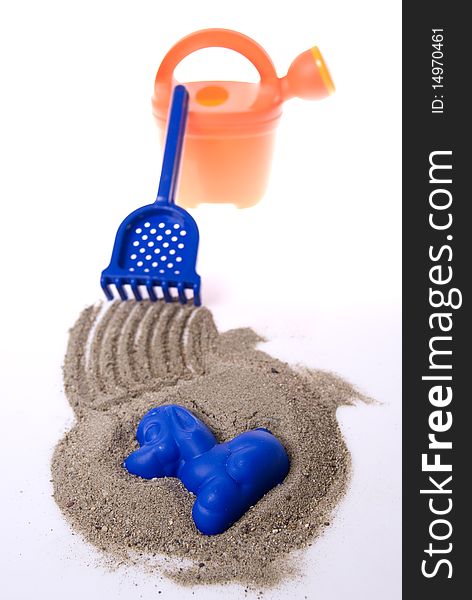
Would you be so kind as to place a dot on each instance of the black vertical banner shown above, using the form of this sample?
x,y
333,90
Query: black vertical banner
x,y
437,267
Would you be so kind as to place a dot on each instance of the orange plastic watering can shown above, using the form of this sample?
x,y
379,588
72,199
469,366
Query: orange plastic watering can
x,y
231,125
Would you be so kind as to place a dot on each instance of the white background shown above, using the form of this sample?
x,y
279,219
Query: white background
x,y
315,266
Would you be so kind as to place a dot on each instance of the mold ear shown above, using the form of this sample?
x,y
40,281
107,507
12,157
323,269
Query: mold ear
x,y
191,435
184,419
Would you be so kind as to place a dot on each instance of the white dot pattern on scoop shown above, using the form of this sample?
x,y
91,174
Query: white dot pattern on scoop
x,y
147,242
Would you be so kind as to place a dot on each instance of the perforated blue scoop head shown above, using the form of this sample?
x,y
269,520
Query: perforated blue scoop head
x,y
156,246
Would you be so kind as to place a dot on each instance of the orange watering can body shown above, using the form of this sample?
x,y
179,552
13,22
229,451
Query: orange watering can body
x,y
231,125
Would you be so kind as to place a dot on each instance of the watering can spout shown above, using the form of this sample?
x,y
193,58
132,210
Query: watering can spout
x,y
308,77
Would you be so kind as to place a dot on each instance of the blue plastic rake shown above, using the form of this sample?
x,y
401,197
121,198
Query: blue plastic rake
x,y
156,246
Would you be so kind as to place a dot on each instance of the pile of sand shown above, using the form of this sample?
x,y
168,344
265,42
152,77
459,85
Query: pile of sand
x,y
132,356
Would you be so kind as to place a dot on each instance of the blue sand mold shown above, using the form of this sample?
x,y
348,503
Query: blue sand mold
x,y
226,478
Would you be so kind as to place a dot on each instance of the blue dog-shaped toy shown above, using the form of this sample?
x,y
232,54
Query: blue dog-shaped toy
x,y
226,478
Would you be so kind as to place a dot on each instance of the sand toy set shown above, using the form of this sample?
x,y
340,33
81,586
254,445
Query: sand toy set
x,y
226,150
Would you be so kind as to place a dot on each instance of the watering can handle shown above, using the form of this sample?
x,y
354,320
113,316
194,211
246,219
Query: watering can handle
x,y
173,148
219,38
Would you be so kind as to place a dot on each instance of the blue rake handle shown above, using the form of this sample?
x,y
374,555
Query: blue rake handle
x,y
173,146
